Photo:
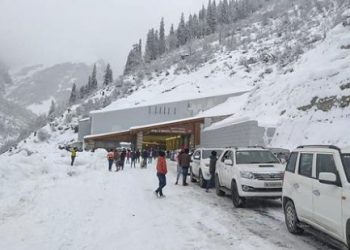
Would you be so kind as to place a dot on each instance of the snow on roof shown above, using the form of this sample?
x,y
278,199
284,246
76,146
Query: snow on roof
x,y
231,106
85,119
227,122
125,103
105,134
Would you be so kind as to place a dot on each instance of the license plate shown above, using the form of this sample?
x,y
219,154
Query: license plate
x,y
273,184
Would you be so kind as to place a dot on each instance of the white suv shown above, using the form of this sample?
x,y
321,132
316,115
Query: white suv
x,y
316,191
200,165
248,172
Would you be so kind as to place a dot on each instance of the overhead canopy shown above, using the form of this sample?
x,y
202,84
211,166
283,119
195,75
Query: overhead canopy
x,y
182,126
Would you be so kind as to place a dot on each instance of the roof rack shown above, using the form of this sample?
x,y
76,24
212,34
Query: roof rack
x,y
256,146
320,146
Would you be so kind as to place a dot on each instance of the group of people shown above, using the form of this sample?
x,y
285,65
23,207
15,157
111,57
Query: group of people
x,y
123,156
183,159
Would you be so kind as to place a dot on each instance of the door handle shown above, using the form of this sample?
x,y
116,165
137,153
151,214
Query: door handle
x,y
296,185
316,192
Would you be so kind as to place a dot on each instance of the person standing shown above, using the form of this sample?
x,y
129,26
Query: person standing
x,y
144,158
110,158
128,153
122,159
161,172
212,166
133,158
184,161
116,159
178,167
138,154
73,154
150,156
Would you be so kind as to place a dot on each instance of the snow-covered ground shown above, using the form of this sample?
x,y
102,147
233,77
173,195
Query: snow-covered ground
x,y
44,208
42,107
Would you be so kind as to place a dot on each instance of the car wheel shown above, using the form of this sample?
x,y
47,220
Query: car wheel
x,y
291,218
193,179
218,191
202,181
236,199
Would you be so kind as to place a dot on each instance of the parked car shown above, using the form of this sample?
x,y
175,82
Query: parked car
x,y
200,165
316,191
247,172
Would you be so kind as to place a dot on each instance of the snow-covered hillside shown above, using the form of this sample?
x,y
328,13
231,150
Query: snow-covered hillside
x,y
35,87
304,92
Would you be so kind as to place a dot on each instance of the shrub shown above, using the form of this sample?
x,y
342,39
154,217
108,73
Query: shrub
x,y
43,135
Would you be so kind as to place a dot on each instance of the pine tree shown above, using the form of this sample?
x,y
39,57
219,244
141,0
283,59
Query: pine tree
x,y
196,27
140,49
203,26
182,34
73,95
156,45
224,12
93,79
134,58
172,39
150,46
52,108
190,28
82,91
108,77
89,87
211,17
161,44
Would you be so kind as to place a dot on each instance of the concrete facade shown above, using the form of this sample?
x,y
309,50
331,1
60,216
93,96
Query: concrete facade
x,y
84,129
247,133
121,120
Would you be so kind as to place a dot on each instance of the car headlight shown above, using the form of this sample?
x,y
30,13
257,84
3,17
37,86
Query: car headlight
x,y
247,175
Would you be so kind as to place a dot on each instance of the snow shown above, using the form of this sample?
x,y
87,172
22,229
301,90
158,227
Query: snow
x,y
44,208
180,87
42,107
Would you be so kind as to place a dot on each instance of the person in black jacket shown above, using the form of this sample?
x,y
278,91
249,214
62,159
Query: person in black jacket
x,y
212,165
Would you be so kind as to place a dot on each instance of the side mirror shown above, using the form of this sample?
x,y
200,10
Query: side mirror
x,y
228,162
196,157
327,178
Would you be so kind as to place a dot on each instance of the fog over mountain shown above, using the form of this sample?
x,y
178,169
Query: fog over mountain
x,y
51,32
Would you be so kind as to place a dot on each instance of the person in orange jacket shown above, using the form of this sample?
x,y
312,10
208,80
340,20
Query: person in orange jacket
x,y
161,172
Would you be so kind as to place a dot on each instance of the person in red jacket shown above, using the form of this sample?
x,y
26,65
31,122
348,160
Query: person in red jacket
x,y
161,172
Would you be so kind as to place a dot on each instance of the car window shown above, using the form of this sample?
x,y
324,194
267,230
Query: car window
x,y
197,155
255,157
325,164
305,165
292,162
207,152
346,164
227,155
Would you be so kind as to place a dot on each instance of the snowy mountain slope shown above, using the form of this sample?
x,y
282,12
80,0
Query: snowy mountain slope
x,y
5,78
13,120
37,85
298,81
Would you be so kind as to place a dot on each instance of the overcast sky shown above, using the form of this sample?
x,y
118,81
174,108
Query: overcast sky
x,y
54,31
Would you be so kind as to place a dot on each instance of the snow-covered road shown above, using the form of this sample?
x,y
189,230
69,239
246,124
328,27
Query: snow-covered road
x,y
96,209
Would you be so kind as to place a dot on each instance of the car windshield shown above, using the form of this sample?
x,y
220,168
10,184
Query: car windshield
x,y
207,153
346,164
255,157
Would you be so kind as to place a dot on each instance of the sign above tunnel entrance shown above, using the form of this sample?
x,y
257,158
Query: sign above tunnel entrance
x,y
171,131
